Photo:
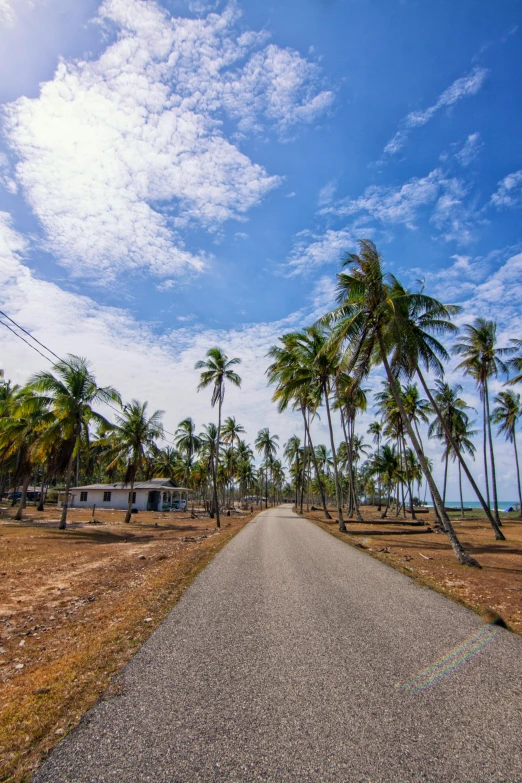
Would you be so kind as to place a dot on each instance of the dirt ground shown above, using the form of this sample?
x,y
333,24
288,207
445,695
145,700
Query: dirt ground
x,y
495,590
76,604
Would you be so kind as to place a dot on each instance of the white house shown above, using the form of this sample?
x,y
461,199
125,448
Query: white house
x,y
159,494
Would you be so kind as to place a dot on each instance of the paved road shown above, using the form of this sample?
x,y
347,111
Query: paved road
x,y
282,663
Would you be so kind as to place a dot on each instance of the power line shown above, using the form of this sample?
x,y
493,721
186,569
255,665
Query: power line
x,y
52,354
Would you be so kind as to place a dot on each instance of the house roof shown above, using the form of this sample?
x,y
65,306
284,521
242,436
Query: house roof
x,y
163,484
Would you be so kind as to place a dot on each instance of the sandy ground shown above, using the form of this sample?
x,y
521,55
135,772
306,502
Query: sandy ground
x,y
76,604
426,555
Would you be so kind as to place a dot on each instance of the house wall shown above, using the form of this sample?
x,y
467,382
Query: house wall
x,y
119,499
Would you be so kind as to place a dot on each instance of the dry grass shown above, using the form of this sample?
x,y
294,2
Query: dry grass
x,y
75,605
495,590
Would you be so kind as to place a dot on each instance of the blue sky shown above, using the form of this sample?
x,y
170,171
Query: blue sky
x,y
178,174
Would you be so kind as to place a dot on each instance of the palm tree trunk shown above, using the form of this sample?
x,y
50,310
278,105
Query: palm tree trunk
x,y
498,533
40,506
216,465
462,556
23,499
485,451
350,467
378,474
460,491
492,460
518,471
408,480
63,518
342,526
316,467
445,476
129,507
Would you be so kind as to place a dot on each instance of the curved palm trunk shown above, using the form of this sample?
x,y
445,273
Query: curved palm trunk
x,y
498,533
23,499
342,526
462,556
316,466
492,460
445,476
518,471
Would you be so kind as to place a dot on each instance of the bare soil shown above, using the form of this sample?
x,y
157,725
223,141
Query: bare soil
x,y
74,607
495,590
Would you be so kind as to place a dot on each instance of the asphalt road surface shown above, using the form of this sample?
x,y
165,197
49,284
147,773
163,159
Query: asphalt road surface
x,y
294,658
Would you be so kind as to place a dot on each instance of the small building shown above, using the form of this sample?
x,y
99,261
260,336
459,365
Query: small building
x,y
158,494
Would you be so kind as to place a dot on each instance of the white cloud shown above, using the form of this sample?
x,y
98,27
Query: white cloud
x,y
118,154
470,149
130,354
466,85
315,250
509,191
327,193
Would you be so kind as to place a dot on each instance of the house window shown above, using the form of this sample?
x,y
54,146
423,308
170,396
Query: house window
x,y
133,497
83,497
106,497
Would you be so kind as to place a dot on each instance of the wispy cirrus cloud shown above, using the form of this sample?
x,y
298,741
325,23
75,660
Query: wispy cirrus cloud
x,y
118,155
460,88
313,250
509,191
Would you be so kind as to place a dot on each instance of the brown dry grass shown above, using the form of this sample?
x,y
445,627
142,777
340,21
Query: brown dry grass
x,y
495,590
75,605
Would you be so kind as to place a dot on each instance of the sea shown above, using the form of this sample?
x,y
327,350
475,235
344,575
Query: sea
x,y
475,504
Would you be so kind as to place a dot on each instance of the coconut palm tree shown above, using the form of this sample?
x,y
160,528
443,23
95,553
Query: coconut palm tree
x,y
293,453
515,363
20,433
266,445
232,430
70,390
216,372
376,429
168,463
133,433
505,416
187,442
482,361
414,345
453,419
462,435
370,323
387,464
295,385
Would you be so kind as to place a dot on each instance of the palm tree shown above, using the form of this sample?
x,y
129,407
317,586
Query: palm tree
x,y
70,394
387,464
462,437
266,445
293,453
505,416
168,463
187,442
415,345
20,433
232,430
515,363
133,432
296,385
376,429
482,361
453,419
370,322
216,371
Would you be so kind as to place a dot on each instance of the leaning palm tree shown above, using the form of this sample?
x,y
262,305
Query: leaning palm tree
x,y
70,390
130,437
369,324
482,361
376,429
216,371
505,416
266,445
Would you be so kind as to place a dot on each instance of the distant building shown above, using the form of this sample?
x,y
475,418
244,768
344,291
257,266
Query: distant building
x,y
159,494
